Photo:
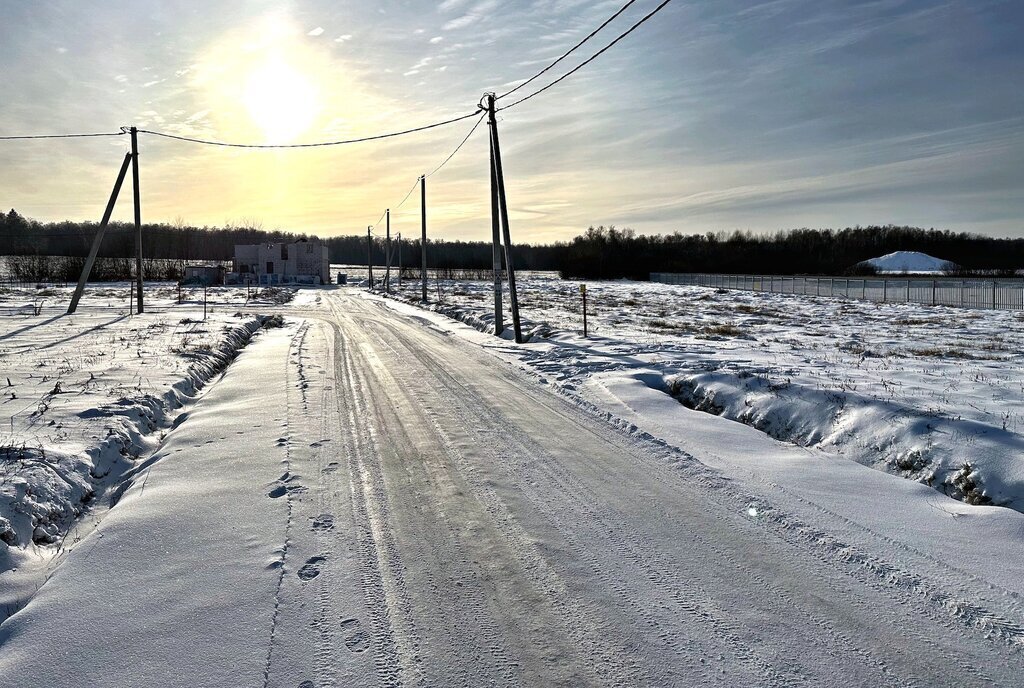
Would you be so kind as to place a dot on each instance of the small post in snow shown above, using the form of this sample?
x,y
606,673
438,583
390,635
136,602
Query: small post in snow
x,y
204,301
583,293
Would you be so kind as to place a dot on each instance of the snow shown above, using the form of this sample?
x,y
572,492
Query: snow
x,y
931,394
84,398
909,262
402,503
173,568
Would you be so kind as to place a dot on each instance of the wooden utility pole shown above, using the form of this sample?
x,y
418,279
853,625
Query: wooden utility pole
x,y
138,219
499,319
399,260
423,238
387,254
98,239
369,256
503,206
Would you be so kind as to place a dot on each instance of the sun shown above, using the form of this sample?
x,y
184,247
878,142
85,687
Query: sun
x,y
280,99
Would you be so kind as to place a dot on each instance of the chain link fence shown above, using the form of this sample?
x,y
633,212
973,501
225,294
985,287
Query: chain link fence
x,y
939,291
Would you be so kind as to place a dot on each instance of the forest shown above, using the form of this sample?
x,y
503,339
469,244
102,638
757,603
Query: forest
x,y
597,253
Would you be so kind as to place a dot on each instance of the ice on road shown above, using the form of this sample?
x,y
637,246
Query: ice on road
x,y
366,499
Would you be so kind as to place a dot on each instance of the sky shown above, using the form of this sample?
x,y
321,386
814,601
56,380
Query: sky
x,y
715,115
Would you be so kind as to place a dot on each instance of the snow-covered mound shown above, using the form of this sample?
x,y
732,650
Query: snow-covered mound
x,y
909,261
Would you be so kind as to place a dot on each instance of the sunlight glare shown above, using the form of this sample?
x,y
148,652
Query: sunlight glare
x,y
281,100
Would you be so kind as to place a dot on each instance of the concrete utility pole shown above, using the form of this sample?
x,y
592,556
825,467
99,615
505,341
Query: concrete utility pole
x,y
98,239
369,256
138,219
499,318
423,237
387,254
503,206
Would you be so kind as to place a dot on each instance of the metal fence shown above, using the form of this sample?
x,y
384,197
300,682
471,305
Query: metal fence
x,y
940,291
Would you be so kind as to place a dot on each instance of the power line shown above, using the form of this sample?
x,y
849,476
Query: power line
x,y
63,136
309,145
402,202
570,51
589,59
458,147
436,169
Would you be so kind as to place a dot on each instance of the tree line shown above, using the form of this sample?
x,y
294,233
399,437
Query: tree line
x,y
597,253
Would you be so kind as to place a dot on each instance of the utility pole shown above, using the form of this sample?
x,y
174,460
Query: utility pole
x,y
84,277
499,318
399,260
138,218
503,206
387,254
369,256
423,237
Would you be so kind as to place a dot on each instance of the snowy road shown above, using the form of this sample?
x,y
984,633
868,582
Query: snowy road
x,y
407,509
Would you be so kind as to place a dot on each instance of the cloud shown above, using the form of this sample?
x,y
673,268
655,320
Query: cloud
x,y
436,39
472,16
316,32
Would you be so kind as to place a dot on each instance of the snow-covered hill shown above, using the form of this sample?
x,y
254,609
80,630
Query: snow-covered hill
x,y
909,261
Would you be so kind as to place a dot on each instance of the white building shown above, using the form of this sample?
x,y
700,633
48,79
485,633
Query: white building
x,y
304,262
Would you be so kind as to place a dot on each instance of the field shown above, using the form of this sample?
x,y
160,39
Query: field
x,y
372,493
86,398
933,394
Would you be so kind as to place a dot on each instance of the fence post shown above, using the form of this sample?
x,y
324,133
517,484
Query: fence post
x,y
961,293
885,290
993,293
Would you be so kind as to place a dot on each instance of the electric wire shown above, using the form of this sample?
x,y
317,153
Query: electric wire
x,y
458,147
317,144
415,184
438,168
568,52
63,136
589,59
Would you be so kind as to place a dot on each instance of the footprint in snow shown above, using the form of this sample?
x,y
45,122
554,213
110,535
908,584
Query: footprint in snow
x,y
311,569
356,637
323,522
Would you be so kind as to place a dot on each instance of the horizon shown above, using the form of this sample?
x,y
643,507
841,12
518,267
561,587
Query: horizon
x,y
758,118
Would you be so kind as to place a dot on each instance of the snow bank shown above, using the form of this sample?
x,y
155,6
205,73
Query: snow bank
x,y
85,396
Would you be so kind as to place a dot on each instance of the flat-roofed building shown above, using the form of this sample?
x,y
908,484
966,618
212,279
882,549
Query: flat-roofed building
x,y
303,262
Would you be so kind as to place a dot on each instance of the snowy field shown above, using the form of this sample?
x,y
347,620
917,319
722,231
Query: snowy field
x,y
372,495
85,398
932,394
